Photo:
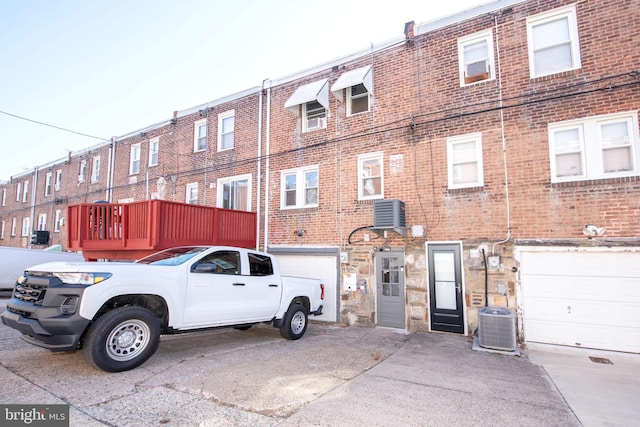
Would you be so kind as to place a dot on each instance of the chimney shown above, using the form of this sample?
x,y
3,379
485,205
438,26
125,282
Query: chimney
x,y
408,33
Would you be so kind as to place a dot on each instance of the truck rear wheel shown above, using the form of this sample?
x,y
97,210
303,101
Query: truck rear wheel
x,y
295,322
122,339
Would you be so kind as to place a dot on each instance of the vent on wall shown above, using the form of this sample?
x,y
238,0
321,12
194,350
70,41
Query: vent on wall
x,y
389,215
497,328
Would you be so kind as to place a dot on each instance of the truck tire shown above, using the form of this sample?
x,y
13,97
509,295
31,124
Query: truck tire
x,y
295,322
122,339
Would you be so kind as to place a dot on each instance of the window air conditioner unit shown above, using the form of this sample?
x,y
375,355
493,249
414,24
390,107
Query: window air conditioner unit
x,y
389,215
497,328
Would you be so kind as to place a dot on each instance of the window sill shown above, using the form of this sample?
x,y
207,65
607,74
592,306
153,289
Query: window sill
x,y
464,190
595,181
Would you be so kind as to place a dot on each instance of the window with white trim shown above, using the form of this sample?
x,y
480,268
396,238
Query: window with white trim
x,y
553,42
2,226
594,148
25,191
200,135
192,193
234,192
4,197
56,223
26,227
154,150
226,125
475,58
464,161
18,191
299,188
58,184
370,176
357,99
48,180
315,116
42,222
95,169
14,226
134,159
82,175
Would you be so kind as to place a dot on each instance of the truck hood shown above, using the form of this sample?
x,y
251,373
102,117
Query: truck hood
x,y
76,267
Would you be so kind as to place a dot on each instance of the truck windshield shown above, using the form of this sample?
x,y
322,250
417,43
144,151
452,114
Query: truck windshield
x,y
173,256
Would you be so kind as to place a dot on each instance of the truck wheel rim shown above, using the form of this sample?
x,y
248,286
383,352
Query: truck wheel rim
x,y
127,340
297,322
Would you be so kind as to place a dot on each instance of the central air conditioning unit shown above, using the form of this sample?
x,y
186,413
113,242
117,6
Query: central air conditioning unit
x,y
497,328
389,215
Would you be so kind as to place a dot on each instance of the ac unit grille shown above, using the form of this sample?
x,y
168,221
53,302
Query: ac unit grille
x,y
388,214
497,328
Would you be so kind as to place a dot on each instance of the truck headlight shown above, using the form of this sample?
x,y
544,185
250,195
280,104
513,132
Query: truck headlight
x,y
82,278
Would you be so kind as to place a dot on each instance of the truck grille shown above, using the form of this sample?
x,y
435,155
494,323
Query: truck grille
x,y
32,293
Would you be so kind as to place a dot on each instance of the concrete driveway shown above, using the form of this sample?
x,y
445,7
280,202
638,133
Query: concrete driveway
x,y
333,376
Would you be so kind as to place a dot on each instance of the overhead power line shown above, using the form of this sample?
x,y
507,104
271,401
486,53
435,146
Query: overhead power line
x,y
54,126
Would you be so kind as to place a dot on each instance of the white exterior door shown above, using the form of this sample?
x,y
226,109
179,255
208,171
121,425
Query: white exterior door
x,y
581,298
316,267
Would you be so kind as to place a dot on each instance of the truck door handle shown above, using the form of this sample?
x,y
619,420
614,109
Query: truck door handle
x,y
273,285
238,284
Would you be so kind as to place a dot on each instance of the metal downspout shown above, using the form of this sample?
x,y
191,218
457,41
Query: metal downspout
x,y
267,170
111,172
33,202
259,178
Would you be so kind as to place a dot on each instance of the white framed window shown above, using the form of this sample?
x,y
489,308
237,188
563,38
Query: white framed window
x,y
134,159
597,147
553,42
95,169
18,191
48,181
315,116
192,193
14,226
370,176
357,99
299,188
57,221
154,150
25,191
4,197
234,192
58,184
475,58
82,175
26,227
42,222
226,127
464,161
200,135
2,226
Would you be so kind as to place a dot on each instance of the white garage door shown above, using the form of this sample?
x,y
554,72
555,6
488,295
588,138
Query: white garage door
x,y
317,267
583,299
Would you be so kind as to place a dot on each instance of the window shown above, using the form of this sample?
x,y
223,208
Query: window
x,y
192,193
315,116
553,42
220,262
48,180
200,135
42,222
95,169
2,226
26,227
464,158
154,149
234,193
58,180
299,188
359,87
4,197
134,159
18,191
57,223
475,58
370,176
594,148
82,175
14,225
260,265
25,191
226,124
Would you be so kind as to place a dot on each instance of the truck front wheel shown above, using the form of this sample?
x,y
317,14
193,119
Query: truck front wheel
x,y
295,322
122,339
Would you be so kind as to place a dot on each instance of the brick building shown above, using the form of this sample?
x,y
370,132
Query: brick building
x,y
422,179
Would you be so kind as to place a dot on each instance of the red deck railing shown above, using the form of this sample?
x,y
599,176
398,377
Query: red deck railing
x,y
127,231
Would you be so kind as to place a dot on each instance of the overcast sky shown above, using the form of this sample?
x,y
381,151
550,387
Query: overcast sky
x,y
107,68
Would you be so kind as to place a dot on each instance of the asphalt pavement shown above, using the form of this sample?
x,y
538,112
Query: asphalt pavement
x,y
333,376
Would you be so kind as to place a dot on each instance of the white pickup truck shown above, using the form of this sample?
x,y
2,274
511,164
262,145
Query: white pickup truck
x,y
116,312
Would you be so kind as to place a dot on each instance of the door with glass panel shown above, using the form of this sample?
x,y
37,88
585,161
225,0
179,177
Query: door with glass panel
x,y
390,293
445,288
